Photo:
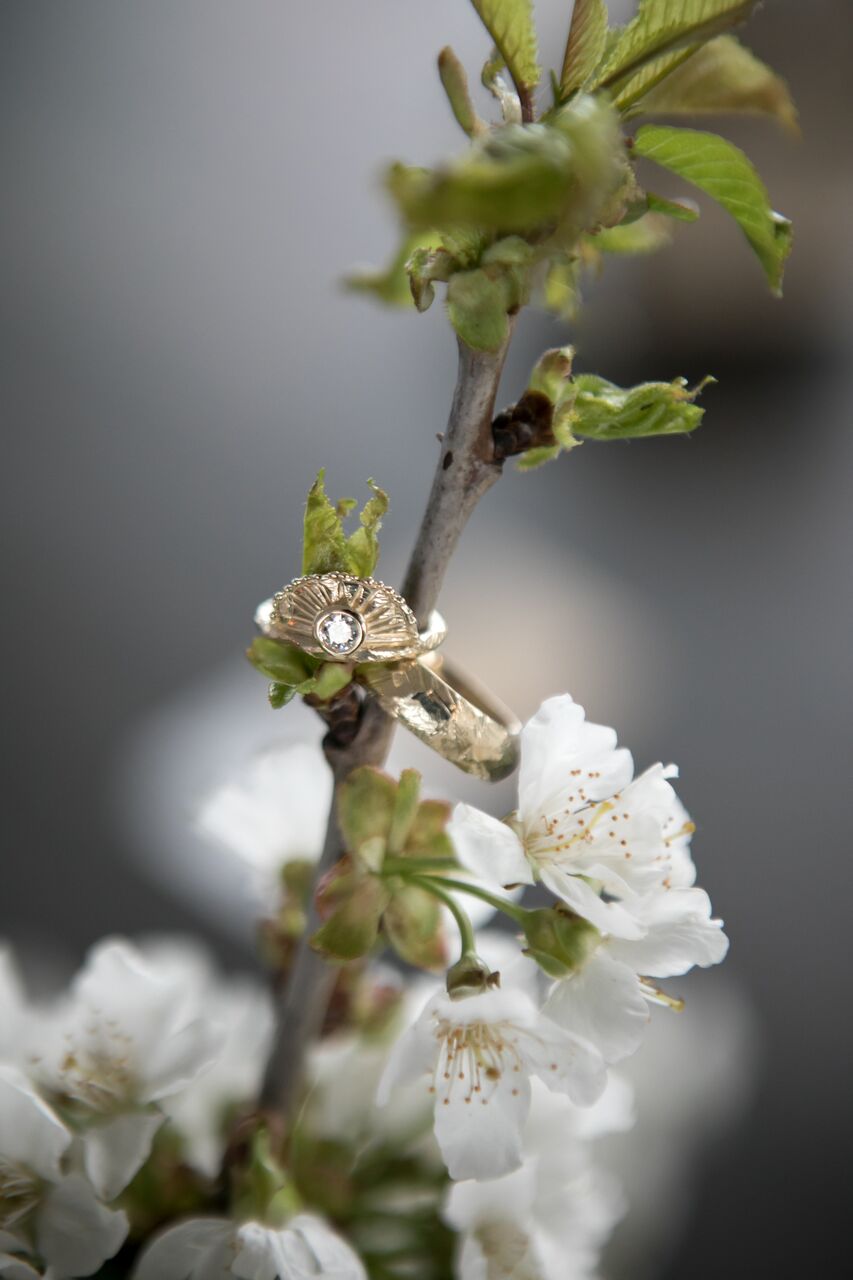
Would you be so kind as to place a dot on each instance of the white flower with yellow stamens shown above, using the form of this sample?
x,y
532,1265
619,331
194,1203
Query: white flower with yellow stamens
x,y
476,1057
585,826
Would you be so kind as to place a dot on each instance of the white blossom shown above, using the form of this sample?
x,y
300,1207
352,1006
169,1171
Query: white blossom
x,y
125,1037
606,1001
214,1248
549,1218
47,1209
584,824
476,1057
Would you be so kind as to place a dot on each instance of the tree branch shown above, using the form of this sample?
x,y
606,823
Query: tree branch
x,y
467,469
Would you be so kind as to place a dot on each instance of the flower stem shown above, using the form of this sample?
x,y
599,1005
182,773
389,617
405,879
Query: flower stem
x,y
431,884
463,886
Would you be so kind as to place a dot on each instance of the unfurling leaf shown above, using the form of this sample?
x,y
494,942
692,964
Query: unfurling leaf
x,y
663,26
455,83
366,802
681,210
331,679
326,547
281,662
425,267
720,78
510,24
539,425
723,172
645,235
585,46
521,178
603,411
391,284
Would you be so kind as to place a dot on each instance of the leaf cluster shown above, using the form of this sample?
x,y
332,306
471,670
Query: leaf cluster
x,y
536,199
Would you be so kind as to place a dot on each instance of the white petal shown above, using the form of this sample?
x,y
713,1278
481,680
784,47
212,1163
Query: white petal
x,y
503,954
488,848
412,1058
559,740
74,1231
680,934
565,1062
332,1255
114,1152
31,1134
480,1134
611,917
604,1004
179,1058
182,1252
16,1269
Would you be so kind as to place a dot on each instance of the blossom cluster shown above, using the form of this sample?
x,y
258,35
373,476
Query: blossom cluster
x,y
446,1124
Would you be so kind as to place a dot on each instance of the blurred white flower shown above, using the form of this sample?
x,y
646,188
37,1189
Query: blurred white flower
x,y
606,1001
477,1056
127,1036
214,1248
581,818
274,812
12,1009
547,1220
46,1210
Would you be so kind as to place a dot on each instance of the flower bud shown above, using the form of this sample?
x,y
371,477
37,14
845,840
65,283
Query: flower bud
x,y
558,940
470,976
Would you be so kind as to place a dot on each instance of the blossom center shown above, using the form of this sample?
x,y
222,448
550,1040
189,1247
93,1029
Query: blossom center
x,y
474,1057
18,1192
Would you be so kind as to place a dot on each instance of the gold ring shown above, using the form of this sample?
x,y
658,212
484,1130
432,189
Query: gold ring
x,y
345,619
450,712
341,618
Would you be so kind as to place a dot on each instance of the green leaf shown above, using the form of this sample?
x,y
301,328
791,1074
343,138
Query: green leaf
x,y
391,284
477,305
603,411
645,235
331,679
681,211
279,695
324,547
723,172
281,662
363,545
413,925
722,77
585,47
510,24
455,83
663,26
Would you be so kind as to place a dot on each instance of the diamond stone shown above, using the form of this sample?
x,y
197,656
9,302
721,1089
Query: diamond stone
x,y
340,632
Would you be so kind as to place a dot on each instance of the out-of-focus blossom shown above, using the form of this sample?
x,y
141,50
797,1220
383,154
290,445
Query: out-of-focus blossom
x,y
214,1248
48,1210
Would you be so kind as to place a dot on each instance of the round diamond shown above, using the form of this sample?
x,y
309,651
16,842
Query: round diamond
x,y
340,632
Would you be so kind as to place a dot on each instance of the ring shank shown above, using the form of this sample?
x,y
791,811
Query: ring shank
x,y
450,712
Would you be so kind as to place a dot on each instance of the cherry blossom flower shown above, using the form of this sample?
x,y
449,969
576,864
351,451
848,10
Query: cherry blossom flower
x,y
607,1001
127,1036
549,1218
214,1248
477,1056
46,1209
584,824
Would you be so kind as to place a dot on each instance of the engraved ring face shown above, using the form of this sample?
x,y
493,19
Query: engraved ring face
x,y
346,619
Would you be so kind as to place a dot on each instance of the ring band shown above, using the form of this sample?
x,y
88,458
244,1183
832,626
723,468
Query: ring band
x,y
451,713
345,619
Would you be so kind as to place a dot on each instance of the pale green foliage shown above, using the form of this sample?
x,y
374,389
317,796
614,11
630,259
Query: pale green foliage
x,y
293,672
391,284
603,411
723,172
510,24
648,234
662,26
722,77
455,83
585,46
326,547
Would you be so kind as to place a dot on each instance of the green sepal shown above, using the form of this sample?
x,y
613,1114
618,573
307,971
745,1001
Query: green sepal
x,y
403,815
470,976
604,411
366,804
558,940
428,836
413,925
478,304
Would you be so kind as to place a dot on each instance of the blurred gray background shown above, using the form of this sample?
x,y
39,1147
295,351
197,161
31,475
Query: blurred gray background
x,y
184,184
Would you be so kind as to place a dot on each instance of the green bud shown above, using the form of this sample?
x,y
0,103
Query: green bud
x,y
470,976
558,940
413,925
350,902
